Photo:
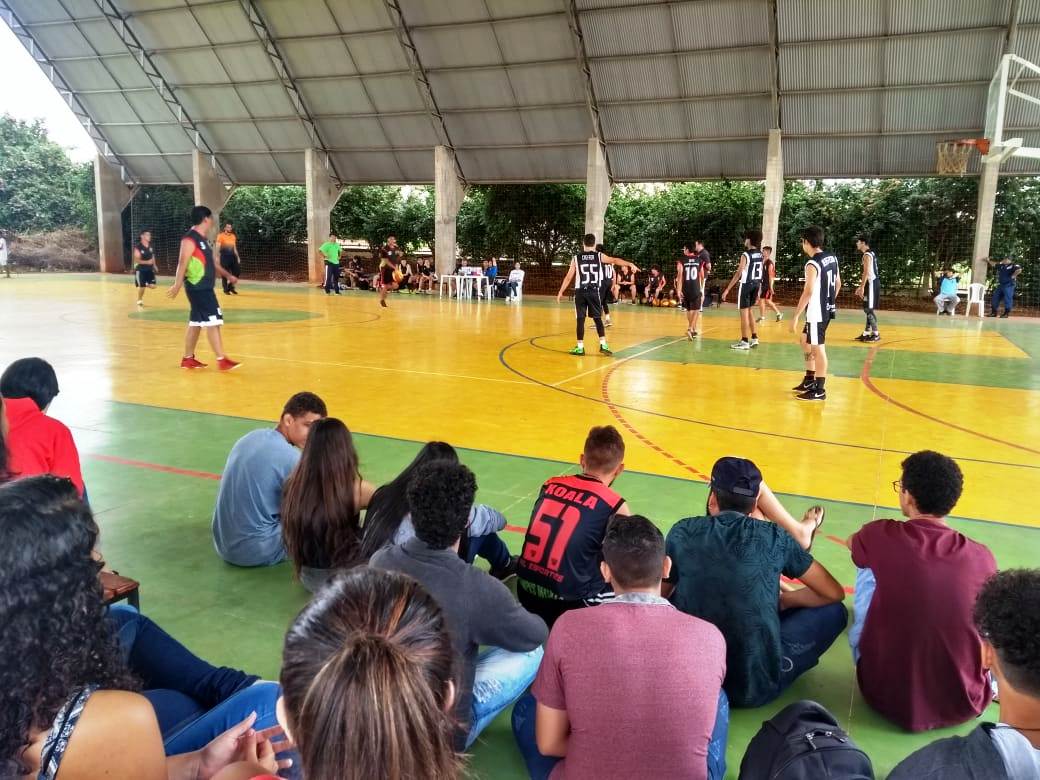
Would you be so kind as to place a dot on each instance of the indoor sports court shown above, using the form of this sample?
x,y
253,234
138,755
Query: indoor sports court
x,y
493,137
495,380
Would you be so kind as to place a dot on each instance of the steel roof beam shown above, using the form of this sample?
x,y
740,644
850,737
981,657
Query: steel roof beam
x,y
285,78
25,36
585,70
159,83
422,82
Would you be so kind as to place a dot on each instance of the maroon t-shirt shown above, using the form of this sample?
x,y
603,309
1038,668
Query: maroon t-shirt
x,y
640,684
920,664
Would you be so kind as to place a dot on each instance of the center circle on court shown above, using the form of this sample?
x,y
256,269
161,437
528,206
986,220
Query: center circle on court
x,y
232,316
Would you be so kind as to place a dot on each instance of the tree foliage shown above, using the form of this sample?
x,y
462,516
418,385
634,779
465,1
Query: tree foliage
x,y
374,212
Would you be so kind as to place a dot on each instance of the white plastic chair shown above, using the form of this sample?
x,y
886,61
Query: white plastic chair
x,y
976,297
444,280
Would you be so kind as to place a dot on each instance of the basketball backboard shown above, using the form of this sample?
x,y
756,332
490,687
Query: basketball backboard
x,y
1014,94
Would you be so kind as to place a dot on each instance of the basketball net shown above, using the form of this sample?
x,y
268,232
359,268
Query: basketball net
x,y
951,157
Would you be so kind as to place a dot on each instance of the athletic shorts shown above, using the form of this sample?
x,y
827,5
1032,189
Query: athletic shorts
x,y
386,275
766,293
587,303
606,291
205,311
871,293
144,276
692,296
816,332
747,295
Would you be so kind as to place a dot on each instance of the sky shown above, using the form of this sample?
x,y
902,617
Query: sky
x,y
25,93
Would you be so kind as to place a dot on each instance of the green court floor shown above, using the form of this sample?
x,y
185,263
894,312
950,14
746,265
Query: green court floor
x,y
151,473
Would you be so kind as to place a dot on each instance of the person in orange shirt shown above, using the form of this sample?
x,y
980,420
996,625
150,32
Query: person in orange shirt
x,y
227,244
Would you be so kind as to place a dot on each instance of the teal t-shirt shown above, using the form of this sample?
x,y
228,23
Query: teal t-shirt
x,y
726,570
331,251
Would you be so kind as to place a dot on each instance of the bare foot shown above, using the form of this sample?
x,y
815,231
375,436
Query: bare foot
x,y
813,517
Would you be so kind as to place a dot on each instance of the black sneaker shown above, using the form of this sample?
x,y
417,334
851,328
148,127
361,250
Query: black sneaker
x,y
873,337
507,571
862,337
802,386
812,394
1005,315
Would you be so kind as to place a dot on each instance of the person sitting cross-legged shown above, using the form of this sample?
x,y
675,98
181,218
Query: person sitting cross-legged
x,y
479,609
726,569
595,709
1007,615
917,581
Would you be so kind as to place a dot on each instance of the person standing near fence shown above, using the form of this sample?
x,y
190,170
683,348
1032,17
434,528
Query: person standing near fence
x,y
4,267
768,286
227,246
1007,280
869,290
330,252
144,265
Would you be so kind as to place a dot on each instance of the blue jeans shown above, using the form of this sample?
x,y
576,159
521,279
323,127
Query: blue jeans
x,y
862,596
805,634
1005,293
539,767
193,700
501,678
489,547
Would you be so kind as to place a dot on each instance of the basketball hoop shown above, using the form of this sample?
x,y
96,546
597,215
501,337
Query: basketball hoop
x,y
951,157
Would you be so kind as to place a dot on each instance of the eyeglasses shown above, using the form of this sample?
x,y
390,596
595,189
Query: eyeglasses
x,y
897,486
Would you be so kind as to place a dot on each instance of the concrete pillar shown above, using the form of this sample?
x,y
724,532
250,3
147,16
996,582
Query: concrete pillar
x,y
448,194
209,189
322,195
984,216
597,190
111,196
774,195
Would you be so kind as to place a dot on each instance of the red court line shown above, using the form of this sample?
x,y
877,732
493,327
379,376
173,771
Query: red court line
x,y
515,529
605,393
141,464
836,540
864,376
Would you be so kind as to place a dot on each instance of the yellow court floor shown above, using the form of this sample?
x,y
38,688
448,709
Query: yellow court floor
x,y
496,377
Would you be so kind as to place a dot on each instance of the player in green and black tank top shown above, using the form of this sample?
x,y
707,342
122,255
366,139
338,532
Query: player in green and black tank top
x,y
144,265
197,270
586,271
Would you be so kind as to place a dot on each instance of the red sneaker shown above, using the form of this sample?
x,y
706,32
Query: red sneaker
x,y
227,364
191,362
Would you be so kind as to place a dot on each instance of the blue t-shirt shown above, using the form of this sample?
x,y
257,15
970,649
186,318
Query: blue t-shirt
x,y
948,286
727,571
247,527
1006,272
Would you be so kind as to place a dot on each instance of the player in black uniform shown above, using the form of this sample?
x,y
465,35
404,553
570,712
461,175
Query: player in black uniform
x,y
749,277
689,284
587,272
559,568
819,302
144,265
606,289
389,276
869,290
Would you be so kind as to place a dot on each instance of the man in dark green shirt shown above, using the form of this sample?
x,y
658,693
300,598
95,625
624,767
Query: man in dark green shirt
x,y
330,250
726,569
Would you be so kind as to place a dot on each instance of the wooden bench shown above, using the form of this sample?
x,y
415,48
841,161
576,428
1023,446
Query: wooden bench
x,y
118,588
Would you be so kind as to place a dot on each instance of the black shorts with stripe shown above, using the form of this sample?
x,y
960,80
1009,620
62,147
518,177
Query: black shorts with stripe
x,y
144,276
747,295
816,332
588,303
871,295
692,297
205,311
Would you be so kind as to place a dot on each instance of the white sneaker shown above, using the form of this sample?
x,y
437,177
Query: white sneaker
x,y
754,342
779,316
141,304
740,345
760,319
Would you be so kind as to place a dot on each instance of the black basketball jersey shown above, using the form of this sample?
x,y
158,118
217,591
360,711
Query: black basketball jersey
x,y
872,267
589,271
691,269
145,251
823,300
564,542
752,273
608,272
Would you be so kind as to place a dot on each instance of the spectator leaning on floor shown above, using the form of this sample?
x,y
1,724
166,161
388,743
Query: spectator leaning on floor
x,y
947,299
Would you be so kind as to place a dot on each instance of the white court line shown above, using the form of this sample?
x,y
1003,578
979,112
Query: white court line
x,y
624,360
383,368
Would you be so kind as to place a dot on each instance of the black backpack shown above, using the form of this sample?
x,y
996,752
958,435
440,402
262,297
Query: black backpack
x,y
804,742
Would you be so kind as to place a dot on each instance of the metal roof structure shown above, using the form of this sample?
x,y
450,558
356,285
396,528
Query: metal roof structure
x,y
678,90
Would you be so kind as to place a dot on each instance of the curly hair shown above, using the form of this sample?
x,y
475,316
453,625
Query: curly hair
x,y
441,495
934,481
1007,615
56,638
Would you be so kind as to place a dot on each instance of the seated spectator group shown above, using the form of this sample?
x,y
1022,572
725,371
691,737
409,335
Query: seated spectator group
x,y
621,654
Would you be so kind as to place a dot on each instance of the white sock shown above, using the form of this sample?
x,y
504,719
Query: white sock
x,y
602,341
581,344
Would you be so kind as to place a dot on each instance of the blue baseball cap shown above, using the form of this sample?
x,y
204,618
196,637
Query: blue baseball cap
x,y
736,475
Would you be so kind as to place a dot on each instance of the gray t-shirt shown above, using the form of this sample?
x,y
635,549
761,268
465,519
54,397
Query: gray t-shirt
x,y
1021,759
247,528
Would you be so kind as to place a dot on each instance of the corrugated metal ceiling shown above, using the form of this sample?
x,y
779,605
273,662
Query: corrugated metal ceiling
x,y
683,89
